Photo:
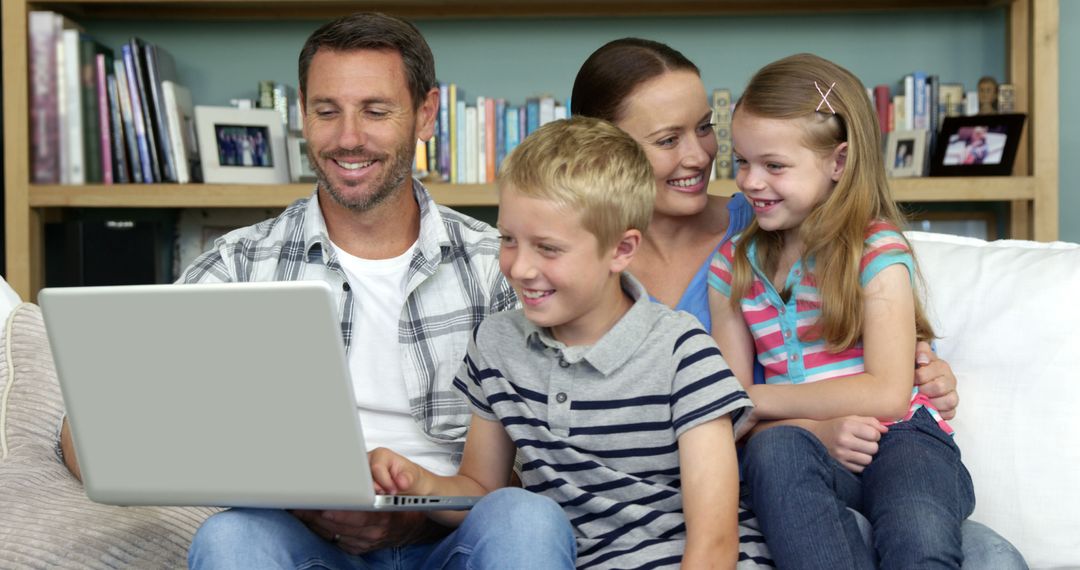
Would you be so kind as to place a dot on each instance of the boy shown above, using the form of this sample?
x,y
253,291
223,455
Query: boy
x,y
619,409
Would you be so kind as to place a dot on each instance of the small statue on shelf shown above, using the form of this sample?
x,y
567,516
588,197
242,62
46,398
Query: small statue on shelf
x,y
988,95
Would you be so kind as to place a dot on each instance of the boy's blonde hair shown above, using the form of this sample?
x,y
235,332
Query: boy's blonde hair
x,y
589,167
832,106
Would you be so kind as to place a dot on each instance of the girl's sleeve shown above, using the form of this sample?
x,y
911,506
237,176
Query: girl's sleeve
x,y
884,246
720,269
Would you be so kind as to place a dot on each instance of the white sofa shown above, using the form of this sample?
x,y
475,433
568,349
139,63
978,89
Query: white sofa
x,y
1006,311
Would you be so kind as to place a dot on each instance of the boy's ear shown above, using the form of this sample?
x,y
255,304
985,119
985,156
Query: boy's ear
x,y
625,249
839,157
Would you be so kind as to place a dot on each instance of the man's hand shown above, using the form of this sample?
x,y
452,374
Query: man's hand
x,y
935,380
851,440
357,532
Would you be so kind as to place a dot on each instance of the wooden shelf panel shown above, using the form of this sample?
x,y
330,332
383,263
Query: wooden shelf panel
x,y
323,9
984,189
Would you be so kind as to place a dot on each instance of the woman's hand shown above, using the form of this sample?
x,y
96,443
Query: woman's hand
x,y
935,380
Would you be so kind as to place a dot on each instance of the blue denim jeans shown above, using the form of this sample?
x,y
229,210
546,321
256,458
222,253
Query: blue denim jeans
x,y
510,528
915,493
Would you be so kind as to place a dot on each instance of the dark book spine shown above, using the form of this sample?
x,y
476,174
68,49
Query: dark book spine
x,y
44,106
137,116
159,67
146,105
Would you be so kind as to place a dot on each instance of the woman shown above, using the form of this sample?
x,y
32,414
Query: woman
x,y
655,94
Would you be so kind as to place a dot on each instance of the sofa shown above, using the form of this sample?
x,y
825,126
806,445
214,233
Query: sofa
x,y
1005,313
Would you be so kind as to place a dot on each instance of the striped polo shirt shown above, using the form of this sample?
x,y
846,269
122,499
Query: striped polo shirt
x,y
777,325
597,426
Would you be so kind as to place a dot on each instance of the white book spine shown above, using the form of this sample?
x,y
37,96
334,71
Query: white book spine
x,y
547,110
471,162
176,133
481,141
71,127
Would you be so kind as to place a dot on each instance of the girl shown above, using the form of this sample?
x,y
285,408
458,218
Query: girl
x,y
820,287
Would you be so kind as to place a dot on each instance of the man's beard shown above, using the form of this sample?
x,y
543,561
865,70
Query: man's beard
x,y
397,168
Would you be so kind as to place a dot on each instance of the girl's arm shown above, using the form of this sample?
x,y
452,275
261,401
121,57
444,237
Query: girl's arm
x,y
730,332
884,389
486,465
710,488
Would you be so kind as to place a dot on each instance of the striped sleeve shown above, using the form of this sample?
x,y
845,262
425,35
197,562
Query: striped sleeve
x,y
470,376
703,388
884,246
720,269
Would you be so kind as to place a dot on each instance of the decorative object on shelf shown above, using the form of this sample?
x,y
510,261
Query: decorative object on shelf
x,y
905,153
982,145
299,165
988,95
245,146
1006,99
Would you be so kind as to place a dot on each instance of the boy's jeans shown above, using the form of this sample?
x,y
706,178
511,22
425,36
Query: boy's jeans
x,y
510,528
915,493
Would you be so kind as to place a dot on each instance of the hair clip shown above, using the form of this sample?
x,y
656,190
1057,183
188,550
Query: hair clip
x,y
825,97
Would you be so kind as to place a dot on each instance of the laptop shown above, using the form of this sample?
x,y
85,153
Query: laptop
x,y
230,395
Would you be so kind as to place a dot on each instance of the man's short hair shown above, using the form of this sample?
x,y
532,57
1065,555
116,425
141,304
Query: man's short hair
x,y
589,166
373,30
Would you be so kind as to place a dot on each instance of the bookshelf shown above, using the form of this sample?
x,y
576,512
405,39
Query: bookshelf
x,y
1032,193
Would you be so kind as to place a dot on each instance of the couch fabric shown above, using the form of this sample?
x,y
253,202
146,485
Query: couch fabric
x,y
1006,316
46,521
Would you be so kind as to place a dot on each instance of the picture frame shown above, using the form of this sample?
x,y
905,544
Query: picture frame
x,y
978,145
299,167
241,146
905,153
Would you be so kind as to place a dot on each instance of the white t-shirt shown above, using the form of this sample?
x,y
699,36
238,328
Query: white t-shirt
x,y
378,288
9,299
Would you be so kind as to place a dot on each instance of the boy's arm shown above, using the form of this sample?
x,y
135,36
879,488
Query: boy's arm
x,y
731,334
485,466
884,389
710,488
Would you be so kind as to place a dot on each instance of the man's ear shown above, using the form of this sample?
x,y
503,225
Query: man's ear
x,y
426,113
839,158
625,249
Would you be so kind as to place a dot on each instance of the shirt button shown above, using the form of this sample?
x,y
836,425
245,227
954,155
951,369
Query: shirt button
x,y
563,363
345,286
787,334
798,272
560,397
783,309
793,357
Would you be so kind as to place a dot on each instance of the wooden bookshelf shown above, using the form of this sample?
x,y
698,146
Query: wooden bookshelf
x,y
1032,53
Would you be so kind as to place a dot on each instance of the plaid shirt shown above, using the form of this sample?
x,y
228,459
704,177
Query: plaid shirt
x,y
453,283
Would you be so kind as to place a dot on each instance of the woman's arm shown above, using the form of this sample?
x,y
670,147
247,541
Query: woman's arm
x,y
710,488
884,389
486,465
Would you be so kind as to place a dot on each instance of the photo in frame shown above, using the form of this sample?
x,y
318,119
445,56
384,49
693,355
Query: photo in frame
x,y
299,165
979,145
905,153
242,146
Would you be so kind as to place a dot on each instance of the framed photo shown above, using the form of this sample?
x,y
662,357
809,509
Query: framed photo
x,y
299,167
243,146
905,153
979,145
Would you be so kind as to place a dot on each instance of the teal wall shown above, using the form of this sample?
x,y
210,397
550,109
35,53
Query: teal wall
x,y
516,59
1070,121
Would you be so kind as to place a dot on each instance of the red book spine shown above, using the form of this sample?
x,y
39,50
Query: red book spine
x,y
882,99
489,139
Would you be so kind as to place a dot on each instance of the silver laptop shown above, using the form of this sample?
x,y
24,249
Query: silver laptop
x,y
233,395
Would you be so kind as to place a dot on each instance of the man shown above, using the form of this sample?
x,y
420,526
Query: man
x,y
413,280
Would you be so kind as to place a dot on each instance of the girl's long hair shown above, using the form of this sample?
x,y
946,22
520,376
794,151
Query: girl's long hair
x,y
834,232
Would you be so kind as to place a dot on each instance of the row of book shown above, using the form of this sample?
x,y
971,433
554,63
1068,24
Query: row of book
x,y
102,118
473,136
921,101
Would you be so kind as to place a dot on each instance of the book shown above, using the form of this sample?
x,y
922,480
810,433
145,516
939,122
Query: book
x,y
91,110
532,115
882,97
513,136
71,110
138,117
489,140
127,119
471,146
920,105
461,147
139,84
45,32
101,74
161,67
452,104
480,142
444,133
547,110
500,133
120,164
905,116
181,119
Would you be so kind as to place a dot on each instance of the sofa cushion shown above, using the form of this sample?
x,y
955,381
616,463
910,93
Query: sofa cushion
x,y
1006,313
46,521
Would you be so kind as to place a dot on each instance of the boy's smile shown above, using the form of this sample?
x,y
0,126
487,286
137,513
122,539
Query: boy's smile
x,y
565,283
